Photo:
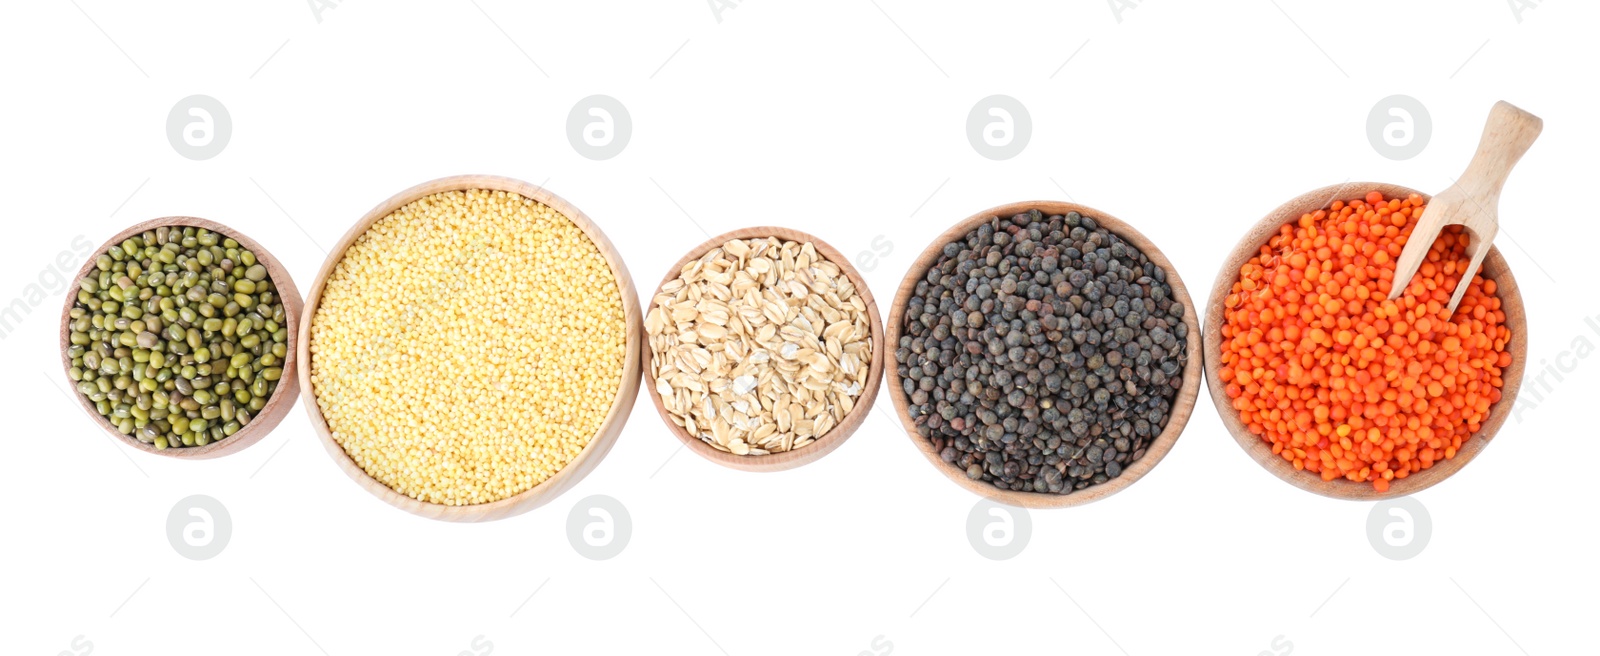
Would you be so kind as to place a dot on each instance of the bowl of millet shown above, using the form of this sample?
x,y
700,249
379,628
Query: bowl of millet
x,y
1043,354
471,348
1333,387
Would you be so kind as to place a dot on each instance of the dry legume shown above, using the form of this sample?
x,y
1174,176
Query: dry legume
x,y
468,346
177,337
1342,381
1042,353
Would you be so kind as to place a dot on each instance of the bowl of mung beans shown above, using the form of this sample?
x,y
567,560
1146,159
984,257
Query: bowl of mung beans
x,y
763,349
1045,355
178,338
1333,387
471,348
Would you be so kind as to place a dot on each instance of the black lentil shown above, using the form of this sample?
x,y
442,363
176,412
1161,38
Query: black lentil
x,y
1042,353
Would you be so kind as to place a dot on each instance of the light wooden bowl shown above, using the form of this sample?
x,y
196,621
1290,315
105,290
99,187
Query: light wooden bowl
x,y
839,433
282,397
1182,404
598,446
1494,266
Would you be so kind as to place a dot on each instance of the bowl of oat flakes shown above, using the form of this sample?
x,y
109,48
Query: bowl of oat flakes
x,y
763,349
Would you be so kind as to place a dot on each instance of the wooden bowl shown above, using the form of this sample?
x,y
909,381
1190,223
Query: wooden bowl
x,y
282,397
835,436
598,446
1494,266
1182,405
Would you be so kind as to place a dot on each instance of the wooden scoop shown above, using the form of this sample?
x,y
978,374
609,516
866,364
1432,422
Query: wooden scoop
x,y
1474,200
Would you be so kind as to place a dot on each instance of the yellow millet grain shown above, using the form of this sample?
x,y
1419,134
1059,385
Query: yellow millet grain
x,y
468,346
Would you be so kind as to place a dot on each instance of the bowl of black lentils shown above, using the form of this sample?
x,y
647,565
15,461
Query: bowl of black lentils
x,y
1045,354
177,338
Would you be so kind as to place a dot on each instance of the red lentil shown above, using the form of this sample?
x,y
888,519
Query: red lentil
x,y
1343,382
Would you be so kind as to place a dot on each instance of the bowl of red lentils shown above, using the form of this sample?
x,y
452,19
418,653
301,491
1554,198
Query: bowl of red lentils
x,y
1333,387
471,348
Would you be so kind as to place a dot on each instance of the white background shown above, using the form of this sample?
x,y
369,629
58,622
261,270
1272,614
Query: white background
x,y
845,118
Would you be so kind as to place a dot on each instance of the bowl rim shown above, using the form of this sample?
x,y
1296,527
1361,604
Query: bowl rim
x,y
599,444
1183,402
1339,488
283,396
852,420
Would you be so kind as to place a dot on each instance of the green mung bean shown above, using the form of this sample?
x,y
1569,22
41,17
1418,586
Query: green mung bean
x,y
176,336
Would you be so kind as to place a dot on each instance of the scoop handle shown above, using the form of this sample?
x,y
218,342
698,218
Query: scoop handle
x,y
1508,134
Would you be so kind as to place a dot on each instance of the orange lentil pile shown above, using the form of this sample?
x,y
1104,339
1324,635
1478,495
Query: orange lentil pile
x,y
1342,381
